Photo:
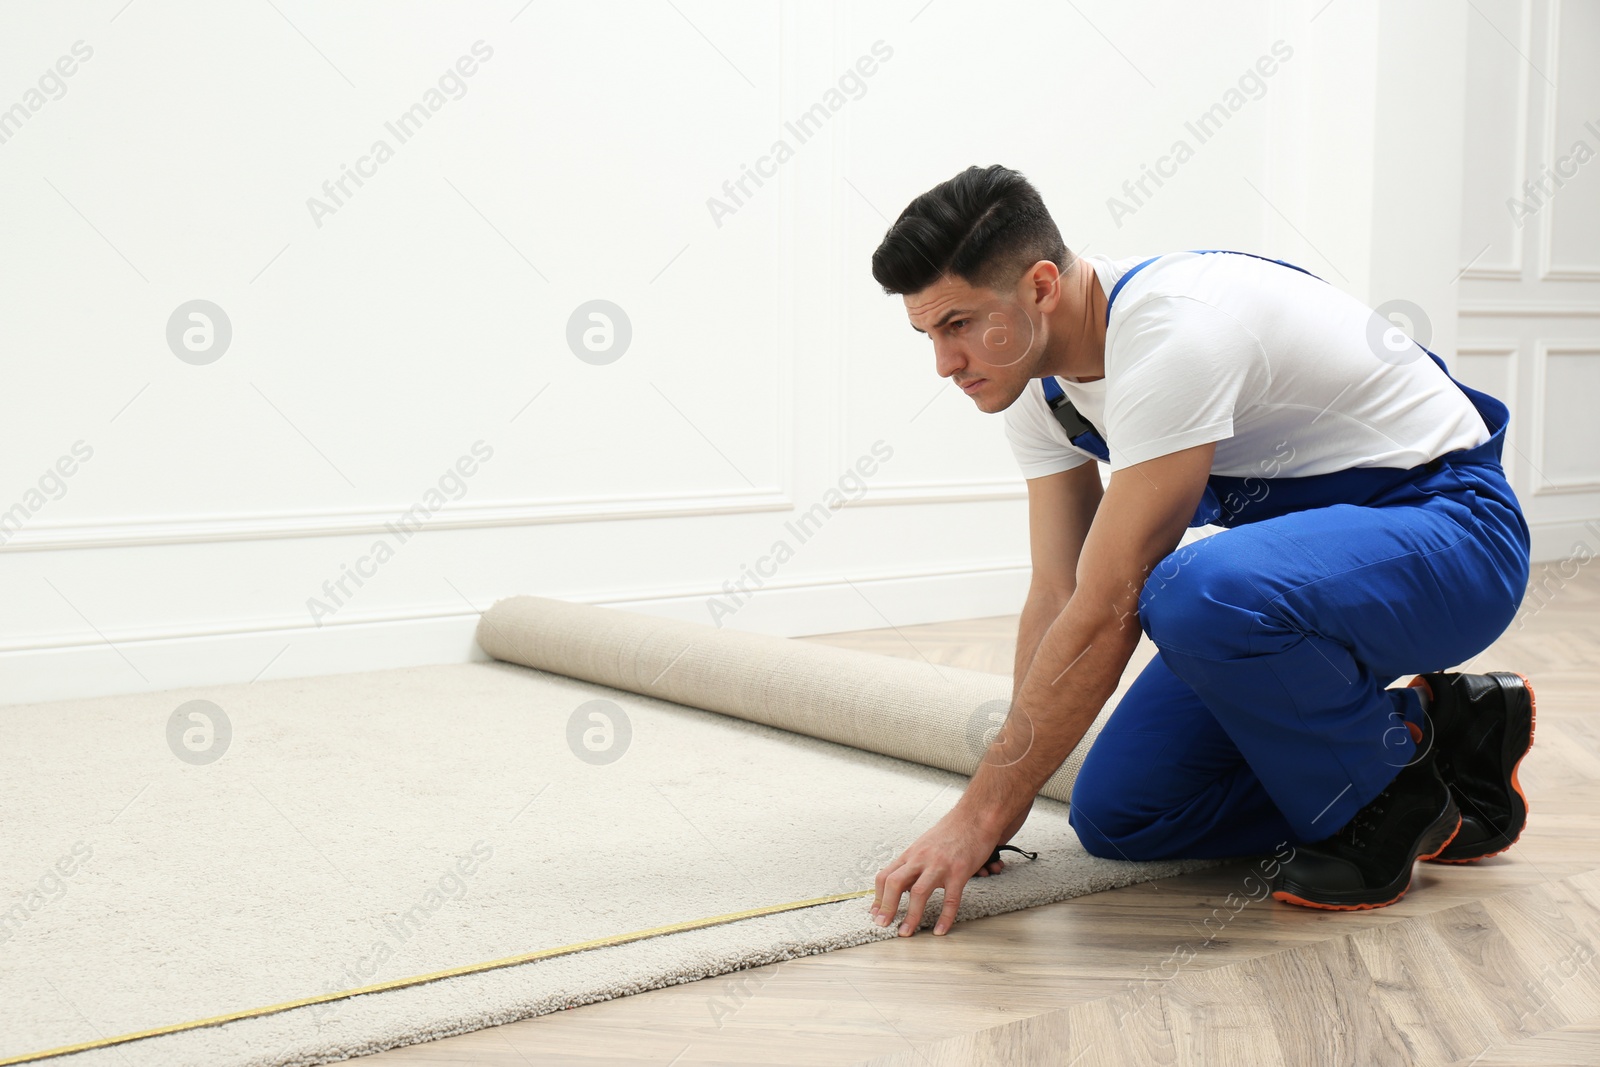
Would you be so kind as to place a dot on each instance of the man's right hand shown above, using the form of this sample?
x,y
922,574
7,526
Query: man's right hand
x,y
999,865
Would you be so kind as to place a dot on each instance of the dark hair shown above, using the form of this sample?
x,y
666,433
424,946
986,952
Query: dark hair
x,y
985,226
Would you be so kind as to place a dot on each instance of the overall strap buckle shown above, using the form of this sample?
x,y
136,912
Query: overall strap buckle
x,y
1079,430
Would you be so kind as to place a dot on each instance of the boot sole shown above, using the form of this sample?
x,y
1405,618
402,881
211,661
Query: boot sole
x,y
1516,748
1435,841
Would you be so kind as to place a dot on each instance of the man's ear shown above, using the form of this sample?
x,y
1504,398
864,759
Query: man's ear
x,y
1041,286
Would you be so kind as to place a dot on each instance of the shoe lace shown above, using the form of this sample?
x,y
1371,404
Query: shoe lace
x,y
1367,819
1442,760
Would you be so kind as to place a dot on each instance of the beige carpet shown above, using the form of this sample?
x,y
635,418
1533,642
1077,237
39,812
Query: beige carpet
x,y
362,828
914,709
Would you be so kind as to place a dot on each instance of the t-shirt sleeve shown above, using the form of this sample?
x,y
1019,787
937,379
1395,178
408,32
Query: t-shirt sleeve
x,y
1037,440
1179,370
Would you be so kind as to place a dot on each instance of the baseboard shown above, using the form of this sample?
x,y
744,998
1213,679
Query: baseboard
x,y
253,649
249,650
1575,540
194,661
835,603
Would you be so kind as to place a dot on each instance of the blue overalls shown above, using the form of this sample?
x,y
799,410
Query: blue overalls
x,y
1265,717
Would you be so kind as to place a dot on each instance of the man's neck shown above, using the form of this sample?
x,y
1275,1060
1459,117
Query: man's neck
x,y
1082,327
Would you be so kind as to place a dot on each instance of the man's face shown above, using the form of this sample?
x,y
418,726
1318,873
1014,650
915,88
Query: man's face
x,y
988,343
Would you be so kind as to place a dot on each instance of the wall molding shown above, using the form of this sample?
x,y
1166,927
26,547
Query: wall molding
x,y
70,666
1548,272
1512,272
943,492
1518,471
1507,309
1492,274
245,526
1542,351
1570,274
1497,349
1549,94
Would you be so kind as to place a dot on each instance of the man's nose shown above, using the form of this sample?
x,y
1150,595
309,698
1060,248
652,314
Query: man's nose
x,y
947,359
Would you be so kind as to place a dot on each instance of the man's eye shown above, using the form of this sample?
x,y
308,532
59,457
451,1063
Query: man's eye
x,y
958,323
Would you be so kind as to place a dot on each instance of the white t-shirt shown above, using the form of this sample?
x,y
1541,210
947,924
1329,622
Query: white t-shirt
x,y
1272,364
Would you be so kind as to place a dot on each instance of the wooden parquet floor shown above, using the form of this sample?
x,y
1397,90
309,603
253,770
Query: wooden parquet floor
x,y
1490,965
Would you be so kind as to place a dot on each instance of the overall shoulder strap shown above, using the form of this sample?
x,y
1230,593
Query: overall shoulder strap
x,y
1080,431
1491,408
1111,298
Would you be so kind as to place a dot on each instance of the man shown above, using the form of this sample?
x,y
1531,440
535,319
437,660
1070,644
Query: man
x,y
1369,535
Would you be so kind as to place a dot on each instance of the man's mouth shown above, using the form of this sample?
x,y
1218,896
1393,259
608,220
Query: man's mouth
x,y
971,387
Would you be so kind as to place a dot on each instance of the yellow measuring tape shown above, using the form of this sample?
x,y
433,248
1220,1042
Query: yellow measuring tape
x,y
420,979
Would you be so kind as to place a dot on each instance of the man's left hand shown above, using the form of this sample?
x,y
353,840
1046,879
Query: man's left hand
x,y
956,848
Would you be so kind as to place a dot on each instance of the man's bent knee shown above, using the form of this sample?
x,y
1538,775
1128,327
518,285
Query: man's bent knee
x,y
1105,828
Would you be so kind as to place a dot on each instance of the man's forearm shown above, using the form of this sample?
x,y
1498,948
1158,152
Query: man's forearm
x,y
1041,609
1074,670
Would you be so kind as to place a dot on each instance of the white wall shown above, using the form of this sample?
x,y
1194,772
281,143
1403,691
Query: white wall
x,y
1530,292
373,346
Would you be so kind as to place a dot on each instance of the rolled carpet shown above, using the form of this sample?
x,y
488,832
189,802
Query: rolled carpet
x,y
938,716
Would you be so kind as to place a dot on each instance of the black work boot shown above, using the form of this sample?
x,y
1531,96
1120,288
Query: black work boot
x,y
1367,864
1484,726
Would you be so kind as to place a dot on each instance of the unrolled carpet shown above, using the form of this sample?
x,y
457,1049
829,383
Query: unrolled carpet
x,y
362,828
